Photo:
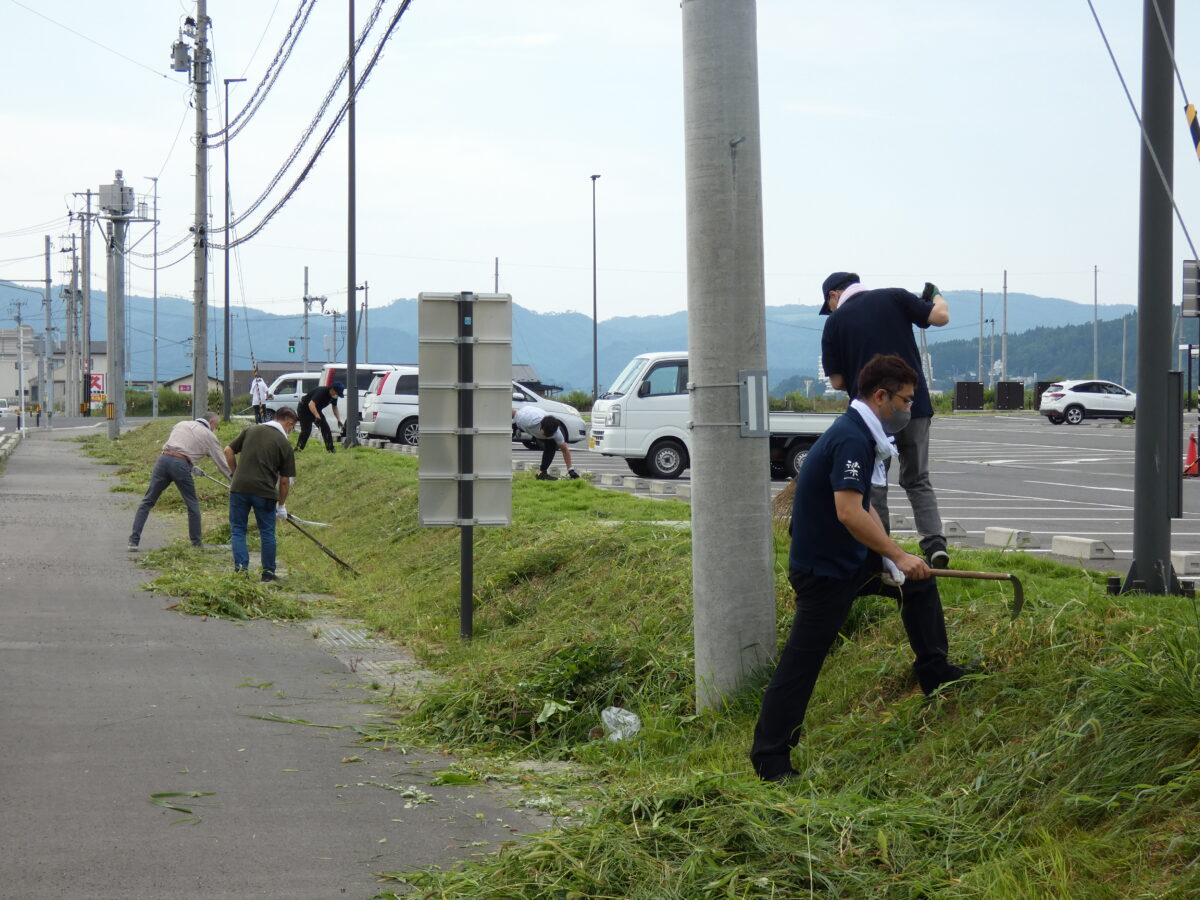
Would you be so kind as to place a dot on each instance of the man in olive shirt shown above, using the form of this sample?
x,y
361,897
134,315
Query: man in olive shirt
x,y
261,478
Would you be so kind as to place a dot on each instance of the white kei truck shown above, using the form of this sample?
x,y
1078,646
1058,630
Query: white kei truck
x,y
646,418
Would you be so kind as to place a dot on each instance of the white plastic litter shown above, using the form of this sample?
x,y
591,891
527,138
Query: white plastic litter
x,y
620,724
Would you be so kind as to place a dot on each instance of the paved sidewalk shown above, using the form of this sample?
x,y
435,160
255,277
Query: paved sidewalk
x,y
105,699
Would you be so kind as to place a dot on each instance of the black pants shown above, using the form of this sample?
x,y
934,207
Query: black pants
x,y
548,449
306,426
822,605
260,413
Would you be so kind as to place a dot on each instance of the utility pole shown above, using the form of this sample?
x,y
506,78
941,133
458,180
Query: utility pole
x,y
364,322
23,415
71,338
46,390
595,320
1004,333
734,606
496,277
154,314
116,200
1124,322
351,275
85,243
307,301
200,289
1096,322
1153,495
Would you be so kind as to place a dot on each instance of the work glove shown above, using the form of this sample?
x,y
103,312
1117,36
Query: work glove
x,y
197,471
931,291
281,513
572,473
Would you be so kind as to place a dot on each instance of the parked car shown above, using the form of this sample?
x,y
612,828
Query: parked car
x,y
3,407
576,428
389,409
286,390
1074,401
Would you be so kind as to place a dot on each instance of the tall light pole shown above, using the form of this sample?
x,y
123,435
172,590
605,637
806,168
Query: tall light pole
x,y
226,387
1095,321
595,321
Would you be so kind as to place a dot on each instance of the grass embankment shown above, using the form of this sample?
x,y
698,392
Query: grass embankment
x,y
1066,769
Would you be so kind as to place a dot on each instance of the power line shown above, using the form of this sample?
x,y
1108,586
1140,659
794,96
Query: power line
x,y
1142,128
90,40
332,129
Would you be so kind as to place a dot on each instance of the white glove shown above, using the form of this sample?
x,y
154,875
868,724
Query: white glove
x,y
281,513
893,575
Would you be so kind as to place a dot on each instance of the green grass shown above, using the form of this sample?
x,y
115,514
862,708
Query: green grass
x,y
1067,768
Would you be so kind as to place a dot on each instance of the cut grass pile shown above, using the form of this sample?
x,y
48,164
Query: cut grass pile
x,y
1066,769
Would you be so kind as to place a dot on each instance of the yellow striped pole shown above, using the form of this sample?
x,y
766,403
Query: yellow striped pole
x,y
1193,127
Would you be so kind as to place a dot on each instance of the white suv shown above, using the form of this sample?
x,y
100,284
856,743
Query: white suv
x,y
1074,401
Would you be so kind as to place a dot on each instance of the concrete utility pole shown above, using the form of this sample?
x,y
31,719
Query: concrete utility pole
x,y
734,605
23,415
1152,494
351,275
595,317
46,390
226,387
200,287
307,301
85,243
71,343
117,202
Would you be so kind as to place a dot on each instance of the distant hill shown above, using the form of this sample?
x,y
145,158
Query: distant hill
x,y
559,345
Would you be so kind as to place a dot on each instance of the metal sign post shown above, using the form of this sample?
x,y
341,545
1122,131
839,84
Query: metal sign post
x,y
465,396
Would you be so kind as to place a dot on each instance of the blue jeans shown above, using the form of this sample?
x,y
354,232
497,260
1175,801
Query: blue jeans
x,y
239,515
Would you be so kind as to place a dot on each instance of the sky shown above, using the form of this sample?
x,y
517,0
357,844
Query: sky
x,y
926,140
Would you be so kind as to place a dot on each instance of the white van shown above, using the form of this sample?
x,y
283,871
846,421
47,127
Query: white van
x,y
286,390
390,407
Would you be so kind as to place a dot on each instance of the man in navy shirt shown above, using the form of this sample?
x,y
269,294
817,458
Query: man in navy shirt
x,y
861,324
840,551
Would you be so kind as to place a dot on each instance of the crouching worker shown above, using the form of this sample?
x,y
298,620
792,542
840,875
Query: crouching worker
x,y
546,430
840,551
263,465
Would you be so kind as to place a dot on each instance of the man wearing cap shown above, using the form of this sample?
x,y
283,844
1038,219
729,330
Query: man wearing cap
x,y
311,405
861,324
187,444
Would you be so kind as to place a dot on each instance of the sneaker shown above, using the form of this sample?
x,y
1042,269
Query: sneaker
x,y
572,473
939,559
546,476
270,576
132,548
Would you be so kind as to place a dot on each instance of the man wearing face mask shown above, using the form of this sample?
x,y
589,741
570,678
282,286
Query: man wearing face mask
x,y
861,324
840,551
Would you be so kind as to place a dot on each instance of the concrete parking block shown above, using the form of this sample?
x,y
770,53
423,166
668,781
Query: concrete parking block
x,y
633,483
684,492
610,480
1185,563
903,523
662,487
1009,538
1080,547
952,529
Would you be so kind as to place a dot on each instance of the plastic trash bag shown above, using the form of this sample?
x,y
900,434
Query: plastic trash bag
x,y
620,724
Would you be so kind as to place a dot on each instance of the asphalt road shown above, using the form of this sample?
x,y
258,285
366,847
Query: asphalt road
x,y
1021,472
108,699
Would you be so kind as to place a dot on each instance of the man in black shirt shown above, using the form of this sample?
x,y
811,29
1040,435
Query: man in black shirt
x,y
861,324
310,411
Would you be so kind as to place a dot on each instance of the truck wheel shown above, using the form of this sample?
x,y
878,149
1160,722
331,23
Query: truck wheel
x,y
667,459
409,432
637,466
795,459
269,415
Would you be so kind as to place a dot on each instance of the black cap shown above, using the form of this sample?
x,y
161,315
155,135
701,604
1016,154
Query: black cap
x,y
835,282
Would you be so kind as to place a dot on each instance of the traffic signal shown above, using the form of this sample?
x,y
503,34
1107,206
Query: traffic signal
x,y
291,346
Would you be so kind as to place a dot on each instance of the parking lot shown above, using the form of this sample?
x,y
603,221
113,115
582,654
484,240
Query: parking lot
x,y
1021,472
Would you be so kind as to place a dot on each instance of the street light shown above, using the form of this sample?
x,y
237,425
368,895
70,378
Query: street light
x,y
227,388
595,367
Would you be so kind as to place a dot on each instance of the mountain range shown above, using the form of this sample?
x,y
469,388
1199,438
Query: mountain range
x,y
558,345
